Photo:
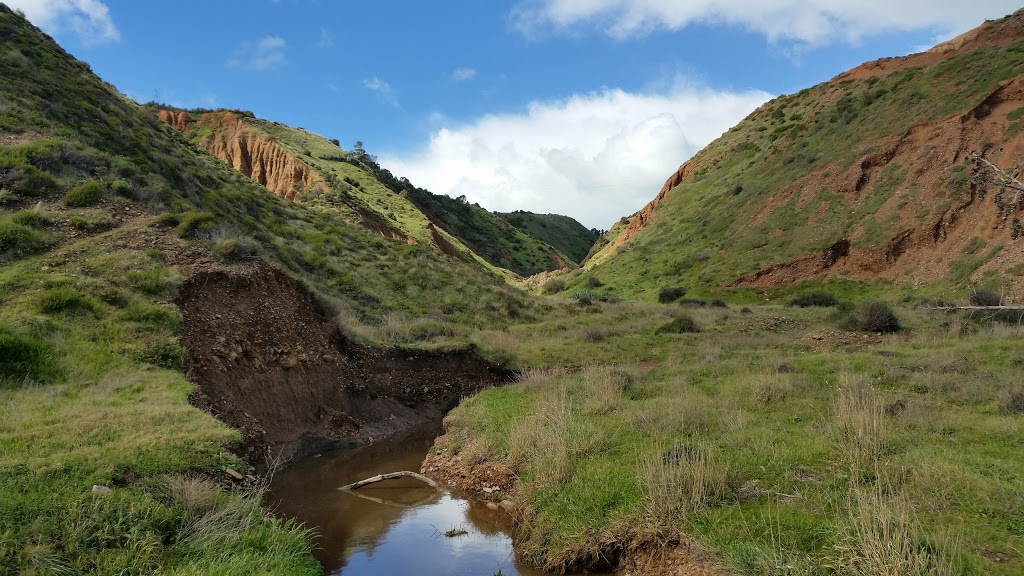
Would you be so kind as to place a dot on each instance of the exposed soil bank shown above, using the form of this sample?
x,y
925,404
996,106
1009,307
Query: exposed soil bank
x,y
267,360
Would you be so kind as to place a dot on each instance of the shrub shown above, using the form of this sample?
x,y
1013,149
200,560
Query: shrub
x,y
594,282
18,239
985,298
718,303
553,286
1012,402
875,316
236,249
583,298
822,299
26,180
193,222
87,193
681,325
122,188
671,294
64,299
693,303
23,357
32,218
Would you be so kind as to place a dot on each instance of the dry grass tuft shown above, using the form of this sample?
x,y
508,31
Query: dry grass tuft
x,y
884,538
861,422
679,481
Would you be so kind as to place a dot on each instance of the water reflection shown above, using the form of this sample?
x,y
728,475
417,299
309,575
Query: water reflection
x,y
394,527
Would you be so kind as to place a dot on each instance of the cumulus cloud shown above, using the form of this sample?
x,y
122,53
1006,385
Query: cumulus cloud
x,y
463,74
264,54
89,19
812,22
383,90
595,157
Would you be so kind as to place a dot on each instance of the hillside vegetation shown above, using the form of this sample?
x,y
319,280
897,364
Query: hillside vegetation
x,y
797,403
862,178
302,166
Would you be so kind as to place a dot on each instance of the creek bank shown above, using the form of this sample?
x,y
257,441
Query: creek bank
x,y
624,551
267,359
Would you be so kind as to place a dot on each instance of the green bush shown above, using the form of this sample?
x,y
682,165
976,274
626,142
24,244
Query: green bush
x,y
684,324
553,286
594,282
87,193
23,357
671,294
64,299
822,299
31,218
191,223
584,297
26,180
875,316
236,249
18,239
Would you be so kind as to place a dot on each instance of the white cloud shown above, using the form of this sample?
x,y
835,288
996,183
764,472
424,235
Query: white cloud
x,y
89,19
463,74
813,22
595,157
384,90
265,54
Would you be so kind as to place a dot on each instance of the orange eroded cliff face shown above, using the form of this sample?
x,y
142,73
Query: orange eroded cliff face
x,y
247,151
644,216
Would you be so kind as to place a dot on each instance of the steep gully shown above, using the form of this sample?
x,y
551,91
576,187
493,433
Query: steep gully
x,y
267,360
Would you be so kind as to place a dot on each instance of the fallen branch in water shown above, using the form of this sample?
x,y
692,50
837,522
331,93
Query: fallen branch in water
x,y
391,476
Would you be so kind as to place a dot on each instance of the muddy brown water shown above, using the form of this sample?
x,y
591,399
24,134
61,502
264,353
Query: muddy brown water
x,y
393,527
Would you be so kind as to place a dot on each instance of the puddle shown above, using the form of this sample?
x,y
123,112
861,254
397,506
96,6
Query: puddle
x,y
393,527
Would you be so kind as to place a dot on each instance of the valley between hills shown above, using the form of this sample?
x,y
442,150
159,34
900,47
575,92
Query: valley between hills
x,y
803,356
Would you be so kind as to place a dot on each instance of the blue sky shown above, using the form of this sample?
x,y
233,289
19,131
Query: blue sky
x,y
580,107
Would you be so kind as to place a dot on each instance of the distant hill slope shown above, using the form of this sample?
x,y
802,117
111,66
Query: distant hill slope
x,y
562,232
301,166
864,177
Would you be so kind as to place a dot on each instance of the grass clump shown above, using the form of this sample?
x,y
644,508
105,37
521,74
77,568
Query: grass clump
x,y
1012,402
679,483
25,358
683,324
671,294
875,316
18,239
553,286
822,299
64,300
86,194
861,426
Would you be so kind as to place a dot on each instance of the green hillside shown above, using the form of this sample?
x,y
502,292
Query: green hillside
x,y
103,211
562,232
875,158
357,189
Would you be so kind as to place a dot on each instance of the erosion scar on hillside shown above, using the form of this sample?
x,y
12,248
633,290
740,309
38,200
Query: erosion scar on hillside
x,y
267,360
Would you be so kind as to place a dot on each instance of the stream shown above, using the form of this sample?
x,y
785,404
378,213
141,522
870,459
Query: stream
x,y
392,527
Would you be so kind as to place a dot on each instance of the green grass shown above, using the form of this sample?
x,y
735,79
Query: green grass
x,y
784,486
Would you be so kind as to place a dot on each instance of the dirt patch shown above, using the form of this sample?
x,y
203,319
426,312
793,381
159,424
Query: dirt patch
x,y
266,360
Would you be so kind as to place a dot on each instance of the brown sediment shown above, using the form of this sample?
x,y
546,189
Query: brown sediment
x,y
266,359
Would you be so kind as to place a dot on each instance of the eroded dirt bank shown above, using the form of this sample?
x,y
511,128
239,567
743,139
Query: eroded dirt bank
x,y
267,360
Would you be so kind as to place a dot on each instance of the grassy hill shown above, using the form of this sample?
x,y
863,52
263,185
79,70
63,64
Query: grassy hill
x,y
562,232
302,166
866,177
746,436
104,211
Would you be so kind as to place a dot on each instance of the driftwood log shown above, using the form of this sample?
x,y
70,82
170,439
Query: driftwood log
x,y
391,476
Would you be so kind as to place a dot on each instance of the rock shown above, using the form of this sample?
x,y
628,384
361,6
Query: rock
x,y
291,361
97,489
234,474
492,506
507,505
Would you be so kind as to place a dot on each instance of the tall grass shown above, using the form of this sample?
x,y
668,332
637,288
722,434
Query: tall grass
x,y
861,426
679,481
